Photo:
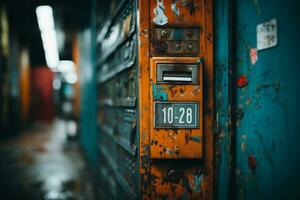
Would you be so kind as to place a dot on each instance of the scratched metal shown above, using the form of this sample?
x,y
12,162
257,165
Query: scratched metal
x,y
182,159
266,152
223,140
263,162
175,42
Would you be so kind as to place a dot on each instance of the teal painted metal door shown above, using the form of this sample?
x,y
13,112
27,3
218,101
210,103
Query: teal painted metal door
x,y
257,148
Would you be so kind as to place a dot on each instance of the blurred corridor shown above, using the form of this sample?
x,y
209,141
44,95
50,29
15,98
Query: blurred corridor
x,y
41,164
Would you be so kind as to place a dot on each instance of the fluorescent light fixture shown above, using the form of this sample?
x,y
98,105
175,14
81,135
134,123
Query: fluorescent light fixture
x,y
45,18
50,48
66,66
48,34
71,78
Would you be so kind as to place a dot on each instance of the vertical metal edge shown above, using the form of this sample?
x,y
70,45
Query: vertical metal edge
x,y
143,18
208,101
224,100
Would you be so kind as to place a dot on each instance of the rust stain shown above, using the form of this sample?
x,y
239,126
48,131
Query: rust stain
x,y
174,181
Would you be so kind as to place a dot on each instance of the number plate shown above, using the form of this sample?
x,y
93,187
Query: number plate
x,y
176,115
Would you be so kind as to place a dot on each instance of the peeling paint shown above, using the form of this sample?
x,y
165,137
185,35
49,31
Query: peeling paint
x,y
175,9
242,81
159,93
196,139
198,179
253,55
160,16
172,135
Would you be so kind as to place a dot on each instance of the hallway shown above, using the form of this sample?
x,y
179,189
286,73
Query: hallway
x,y
41,164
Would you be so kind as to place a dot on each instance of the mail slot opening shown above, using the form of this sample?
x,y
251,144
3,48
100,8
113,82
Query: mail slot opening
x,y
184,76
177,73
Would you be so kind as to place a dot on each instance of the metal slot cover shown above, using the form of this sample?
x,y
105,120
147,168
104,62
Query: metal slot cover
x,y
177,73
183,76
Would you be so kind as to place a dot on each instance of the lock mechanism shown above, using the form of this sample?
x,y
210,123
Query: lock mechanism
x,y
175,42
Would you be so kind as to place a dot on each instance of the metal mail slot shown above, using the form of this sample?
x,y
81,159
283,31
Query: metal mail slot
x,y
176,115
177,73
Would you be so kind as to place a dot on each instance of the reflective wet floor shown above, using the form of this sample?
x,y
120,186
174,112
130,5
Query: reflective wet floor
x,y
41,163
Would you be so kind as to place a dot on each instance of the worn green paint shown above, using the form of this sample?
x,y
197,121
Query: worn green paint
x,y
160,93
223,144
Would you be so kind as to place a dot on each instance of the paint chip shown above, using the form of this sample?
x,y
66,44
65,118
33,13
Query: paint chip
x,y
253,56
242,81
175,9
160,16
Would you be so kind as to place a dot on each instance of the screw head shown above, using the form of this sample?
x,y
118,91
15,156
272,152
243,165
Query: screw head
x,y
162,47
177,46
164,33
190,46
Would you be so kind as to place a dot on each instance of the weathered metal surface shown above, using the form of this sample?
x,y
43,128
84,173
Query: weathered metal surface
x,y
177,140
127,88
256,156
266,152
144,96
259,160
117,105
181,159
223,100
175,42
178,181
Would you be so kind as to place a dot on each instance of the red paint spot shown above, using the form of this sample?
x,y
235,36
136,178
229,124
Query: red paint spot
x,y
252,162
242,81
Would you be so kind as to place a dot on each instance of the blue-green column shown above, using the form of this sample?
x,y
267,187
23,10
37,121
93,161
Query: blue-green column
x,y
88,112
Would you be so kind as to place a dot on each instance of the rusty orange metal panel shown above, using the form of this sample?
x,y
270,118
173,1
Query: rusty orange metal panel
x,y
178,181
144,96
177,143
176,163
